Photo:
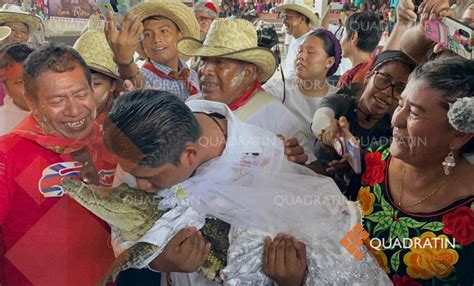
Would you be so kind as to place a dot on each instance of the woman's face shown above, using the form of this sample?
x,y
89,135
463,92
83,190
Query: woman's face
x,y
312,61
422,135
384,87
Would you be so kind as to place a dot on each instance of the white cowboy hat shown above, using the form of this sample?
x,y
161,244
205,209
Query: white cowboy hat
x,y
232,39
177,12
13,13
300,7
4,32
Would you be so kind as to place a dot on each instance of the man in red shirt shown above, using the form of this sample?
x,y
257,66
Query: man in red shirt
x,y
47,238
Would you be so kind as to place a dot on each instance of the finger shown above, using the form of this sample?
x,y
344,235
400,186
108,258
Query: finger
x,y
298,150
291,142
299,247
299,159
290,253
128,85
282,138
127,21
111,30
182,236
280,260
266,252
438,48
272,252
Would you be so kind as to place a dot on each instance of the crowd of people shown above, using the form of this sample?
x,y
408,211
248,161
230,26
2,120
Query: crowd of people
x,y
183,103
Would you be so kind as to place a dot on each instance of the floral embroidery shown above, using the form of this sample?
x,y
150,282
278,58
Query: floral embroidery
x,y
460,224
366,199
378,253
428,262
404,281
375,168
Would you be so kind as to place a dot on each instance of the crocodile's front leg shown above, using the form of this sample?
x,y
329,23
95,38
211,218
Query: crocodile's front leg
x,y
127,259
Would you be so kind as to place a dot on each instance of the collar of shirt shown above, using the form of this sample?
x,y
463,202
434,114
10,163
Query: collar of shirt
x,y
166,69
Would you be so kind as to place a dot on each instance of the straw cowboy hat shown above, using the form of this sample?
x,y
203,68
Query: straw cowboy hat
x,y
232,39
174,10
4,32
300,7
94,49
13,13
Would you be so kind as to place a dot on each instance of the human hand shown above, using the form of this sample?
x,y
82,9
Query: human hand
x,y
284,260
125,41
293,151
185,252
406,13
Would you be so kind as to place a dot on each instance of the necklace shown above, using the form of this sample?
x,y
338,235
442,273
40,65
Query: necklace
x,y
420,200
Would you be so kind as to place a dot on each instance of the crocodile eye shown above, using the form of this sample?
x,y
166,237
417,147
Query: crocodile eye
x,y
122,195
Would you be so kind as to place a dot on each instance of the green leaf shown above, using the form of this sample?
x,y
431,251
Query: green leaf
x,y
403,231
433,226
472,206
377,191
395,260
411,223
386,206
385,154
395,229
376,217
384,223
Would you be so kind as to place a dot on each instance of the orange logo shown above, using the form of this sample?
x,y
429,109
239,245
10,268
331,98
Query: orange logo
x,y
353,240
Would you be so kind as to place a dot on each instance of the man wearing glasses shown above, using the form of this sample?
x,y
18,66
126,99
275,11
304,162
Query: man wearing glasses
x,y
205,12
299,21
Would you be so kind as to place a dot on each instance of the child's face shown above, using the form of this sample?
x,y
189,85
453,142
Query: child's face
x,y
15,90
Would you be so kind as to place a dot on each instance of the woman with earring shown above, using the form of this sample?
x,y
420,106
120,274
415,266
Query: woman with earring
x,y
318,57
416,194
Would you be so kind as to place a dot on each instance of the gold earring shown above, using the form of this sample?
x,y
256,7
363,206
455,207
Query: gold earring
x,y
449,163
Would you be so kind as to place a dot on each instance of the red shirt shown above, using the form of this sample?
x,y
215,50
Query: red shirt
x,y
48,239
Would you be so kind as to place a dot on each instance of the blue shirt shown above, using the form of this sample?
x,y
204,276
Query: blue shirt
x,y
176,87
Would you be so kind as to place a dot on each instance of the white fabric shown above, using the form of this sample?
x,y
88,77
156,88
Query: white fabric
x,y
322,120
290,68
241,187
301,105
10,115
278,119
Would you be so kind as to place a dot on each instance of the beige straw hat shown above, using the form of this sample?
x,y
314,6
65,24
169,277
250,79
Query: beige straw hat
x,y
94,49
300,7
174,10
4,32
232,39
13,13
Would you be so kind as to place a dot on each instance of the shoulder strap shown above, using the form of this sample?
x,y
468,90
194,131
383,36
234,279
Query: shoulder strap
x,y
258,100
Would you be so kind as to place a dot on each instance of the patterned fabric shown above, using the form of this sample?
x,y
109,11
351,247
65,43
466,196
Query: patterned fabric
x,y
442,242
179,88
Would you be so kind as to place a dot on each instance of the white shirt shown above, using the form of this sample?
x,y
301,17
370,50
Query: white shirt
x,y
10,115
301,105
290,70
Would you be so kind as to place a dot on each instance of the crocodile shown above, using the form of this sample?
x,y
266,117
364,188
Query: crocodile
x,y
134,212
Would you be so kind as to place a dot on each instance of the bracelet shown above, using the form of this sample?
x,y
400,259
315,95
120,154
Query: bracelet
x,y
119,64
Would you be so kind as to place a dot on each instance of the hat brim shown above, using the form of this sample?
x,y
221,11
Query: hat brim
x,y
302,10
264,59
33,22
4,32
178,13
100,69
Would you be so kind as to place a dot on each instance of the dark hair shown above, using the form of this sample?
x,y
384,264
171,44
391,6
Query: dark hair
x,y
160,18
453,77
367,26
331,47
55,57
389,56
17,52
150,127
